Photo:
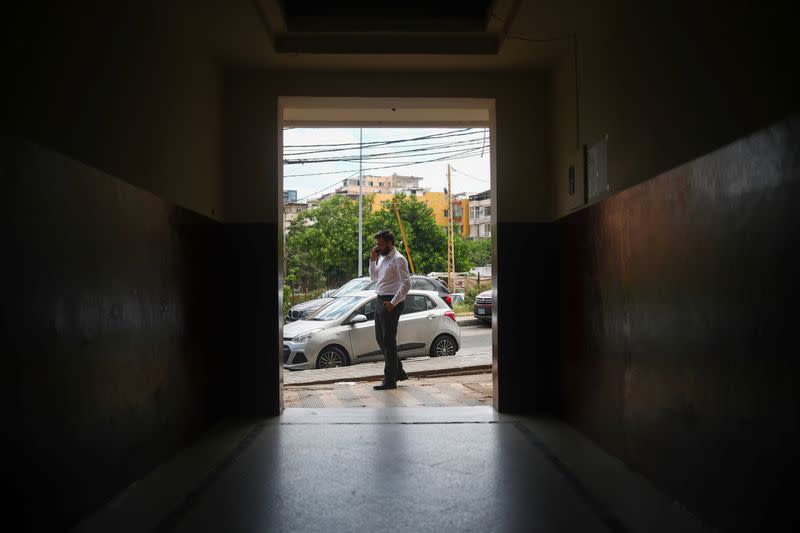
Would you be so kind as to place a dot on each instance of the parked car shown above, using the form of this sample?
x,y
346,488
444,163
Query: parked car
x,y
424,283
303,309
457,297
427,283
343,331
483,307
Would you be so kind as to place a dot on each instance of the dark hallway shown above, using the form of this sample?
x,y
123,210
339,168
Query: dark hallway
x,y
642,373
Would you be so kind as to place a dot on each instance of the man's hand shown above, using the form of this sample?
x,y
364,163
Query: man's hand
x,y
373,255
389,306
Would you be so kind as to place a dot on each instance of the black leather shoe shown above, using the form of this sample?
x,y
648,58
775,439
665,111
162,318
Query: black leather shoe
x,y
402,377
385,385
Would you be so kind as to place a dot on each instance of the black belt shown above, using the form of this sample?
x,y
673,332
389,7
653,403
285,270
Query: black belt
x,y
384,297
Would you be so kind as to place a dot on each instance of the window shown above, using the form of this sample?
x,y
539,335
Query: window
x,y
370,183
367,310
487,211
335,309
415,303
487,230
446,212
353,285
426,285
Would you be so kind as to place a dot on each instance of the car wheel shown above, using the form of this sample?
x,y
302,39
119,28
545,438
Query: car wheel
x,y
332,357
443,345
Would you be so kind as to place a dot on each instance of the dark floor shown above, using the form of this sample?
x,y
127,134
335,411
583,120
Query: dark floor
x,y
397,468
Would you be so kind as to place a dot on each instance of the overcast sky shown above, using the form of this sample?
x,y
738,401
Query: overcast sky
x,y
472,173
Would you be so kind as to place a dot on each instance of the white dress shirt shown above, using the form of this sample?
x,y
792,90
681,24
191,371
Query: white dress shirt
x,y
391,273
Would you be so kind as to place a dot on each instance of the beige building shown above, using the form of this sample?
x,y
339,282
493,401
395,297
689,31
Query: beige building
x,y
393,184
480,215
290,212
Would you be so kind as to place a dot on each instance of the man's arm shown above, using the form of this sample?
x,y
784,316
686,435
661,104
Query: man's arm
x,y
373,264
401,265
373,270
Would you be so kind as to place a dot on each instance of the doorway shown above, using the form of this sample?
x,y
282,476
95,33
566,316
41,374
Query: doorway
x,y
384,141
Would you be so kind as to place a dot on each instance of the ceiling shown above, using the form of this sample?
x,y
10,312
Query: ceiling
x,y
465,35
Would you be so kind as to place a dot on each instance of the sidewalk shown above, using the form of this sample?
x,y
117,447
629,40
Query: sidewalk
x,y
449,391
467,320
414,367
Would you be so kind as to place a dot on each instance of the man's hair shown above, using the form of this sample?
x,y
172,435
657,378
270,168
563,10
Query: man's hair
x,y
386,235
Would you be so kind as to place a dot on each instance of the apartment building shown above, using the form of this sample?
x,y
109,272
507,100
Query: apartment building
x,y
290,212
438,202
480,215
390,185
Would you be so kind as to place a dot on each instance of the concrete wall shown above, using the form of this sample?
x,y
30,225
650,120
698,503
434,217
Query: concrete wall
x,y
111,317
130,88
667,82
677,329
522,189
251,131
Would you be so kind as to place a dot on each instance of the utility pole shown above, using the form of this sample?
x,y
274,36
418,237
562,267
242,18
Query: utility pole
x,y
451,256
360,180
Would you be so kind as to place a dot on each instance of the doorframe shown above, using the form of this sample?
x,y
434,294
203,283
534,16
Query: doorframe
x,y
387,112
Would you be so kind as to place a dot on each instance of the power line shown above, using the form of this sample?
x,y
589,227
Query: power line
x,y
399,149
471,153
453,133
402,154
407,143
482,180
334,184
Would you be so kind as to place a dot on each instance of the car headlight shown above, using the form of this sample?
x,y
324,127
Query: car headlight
x,y
305,337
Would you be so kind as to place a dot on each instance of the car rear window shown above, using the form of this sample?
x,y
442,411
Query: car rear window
x,y
351,286
414,303
336,308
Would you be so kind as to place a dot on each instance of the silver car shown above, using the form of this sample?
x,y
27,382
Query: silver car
x,y
343,331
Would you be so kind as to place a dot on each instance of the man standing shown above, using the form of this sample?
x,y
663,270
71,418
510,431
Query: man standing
x,y
389,269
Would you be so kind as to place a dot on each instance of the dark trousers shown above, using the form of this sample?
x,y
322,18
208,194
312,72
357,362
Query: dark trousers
x,y
386,335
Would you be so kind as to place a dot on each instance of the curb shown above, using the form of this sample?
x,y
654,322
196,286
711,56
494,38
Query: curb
x,y
468,322
455,371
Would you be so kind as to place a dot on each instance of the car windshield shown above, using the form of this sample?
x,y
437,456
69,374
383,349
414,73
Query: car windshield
x,y
336,309
352,286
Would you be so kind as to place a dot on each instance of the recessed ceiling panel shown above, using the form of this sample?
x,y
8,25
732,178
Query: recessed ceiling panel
x,y
406,16
460,27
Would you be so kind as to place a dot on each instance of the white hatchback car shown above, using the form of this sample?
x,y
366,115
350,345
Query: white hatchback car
x,y
343,331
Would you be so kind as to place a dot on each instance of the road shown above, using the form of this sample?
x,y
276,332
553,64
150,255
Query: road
x,y
475,352
476,339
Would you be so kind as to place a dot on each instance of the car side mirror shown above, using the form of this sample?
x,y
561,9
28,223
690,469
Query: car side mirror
x,y
358,319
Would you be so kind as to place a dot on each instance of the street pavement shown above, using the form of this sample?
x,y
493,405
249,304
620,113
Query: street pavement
x,y
475,355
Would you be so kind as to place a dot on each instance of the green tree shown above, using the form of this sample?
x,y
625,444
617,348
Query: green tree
x,y
305,273
427,241
322,243
479,251
461,249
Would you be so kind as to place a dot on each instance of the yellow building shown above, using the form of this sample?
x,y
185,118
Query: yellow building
x,y
437,201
